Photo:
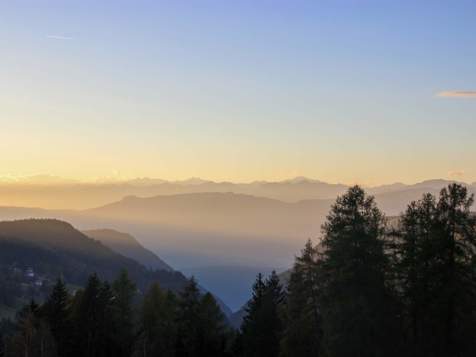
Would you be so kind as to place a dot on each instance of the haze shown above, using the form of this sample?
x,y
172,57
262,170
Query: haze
x,y
217,134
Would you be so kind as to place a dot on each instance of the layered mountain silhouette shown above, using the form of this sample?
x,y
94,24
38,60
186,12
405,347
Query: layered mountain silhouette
x,y
128,246
53,192
224,231
35,252
79,255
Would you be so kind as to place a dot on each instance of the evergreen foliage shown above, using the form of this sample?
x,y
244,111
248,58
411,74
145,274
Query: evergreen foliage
x,y
262,326
303,332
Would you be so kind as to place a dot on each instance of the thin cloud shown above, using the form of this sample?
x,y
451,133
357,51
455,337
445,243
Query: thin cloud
x,y
59,37
458,94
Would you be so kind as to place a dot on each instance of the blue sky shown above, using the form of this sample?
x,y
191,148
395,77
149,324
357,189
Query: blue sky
x,y
344,91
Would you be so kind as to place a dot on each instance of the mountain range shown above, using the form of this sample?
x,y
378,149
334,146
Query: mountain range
x,y
215,235
56,193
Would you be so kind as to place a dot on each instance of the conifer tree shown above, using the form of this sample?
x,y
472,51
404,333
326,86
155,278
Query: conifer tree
x,y
262,325
188,320
159,323
107,324
436,245
457,295
86,318
124,291
94,320
358,309
303,331
213,330
32,338
56,310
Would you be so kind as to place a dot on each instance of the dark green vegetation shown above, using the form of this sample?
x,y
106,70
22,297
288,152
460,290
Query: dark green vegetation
x,y
369,289
111,320
35,252
374,289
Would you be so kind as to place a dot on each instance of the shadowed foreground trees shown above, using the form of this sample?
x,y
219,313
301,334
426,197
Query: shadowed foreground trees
x,y
105,321
262,326
436,271
356,297
370,288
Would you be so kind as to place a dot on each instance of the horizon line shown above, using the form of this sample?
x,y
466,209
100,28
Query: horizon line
x,y
53,180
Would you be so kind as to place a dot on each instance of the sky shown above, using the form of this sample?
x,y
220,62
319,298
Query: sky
x,y
348,91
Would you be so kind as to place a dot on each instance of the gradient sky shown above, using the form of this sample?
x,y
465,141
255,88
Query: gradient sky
x,y
343,91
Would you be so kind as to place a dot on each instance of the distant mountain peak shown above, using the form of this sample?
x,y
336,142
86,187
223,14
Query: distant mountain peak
x,y
146,181
301,179
193,181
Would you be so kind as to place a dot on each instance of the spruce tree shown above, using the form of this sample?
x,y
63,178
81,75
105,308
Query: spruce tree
x,y
436,245
213,330
414,274
159,323
188,320
56,310
262,325
358,310
455,264
32,337
86,318
253,327
124,291
94,321
303,331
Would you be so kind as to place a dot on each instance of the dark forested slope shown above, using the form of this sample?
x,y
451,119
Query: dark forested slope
x,y
34,252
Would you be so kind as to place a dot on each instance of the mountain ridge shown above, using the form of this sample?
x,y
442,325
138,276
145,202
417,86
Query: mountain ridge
x,y
51,248
126,245
86,195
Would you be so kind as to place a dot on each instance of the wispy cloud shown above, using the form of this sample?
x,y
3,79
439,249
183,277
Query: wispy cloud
x,y
59,37
458,94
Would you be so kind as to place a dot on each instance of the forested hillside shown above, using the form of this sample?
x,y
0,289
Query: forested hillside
x,y
35,252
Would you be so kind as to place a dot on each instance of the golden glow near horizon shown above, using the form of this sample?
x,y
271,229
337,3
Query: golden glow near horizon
x,y
88,96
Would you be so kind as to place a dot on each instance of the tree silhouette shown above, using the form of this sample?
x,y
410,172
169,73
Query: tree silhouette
x,y
357,308
303,332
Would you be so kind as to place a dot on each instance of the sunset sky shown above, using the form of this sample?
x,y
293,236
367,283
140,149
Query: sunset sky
x,y
344,91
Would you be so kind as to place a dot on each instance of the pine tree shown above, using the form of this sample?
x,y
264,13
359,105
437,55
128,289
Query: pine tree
x,y
358,309
86,317
252,327
262,325
33,338
159,323
188,320
436,246
107,324
93,317
57,314
414,250
124,291
457,295
213,330
303,332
